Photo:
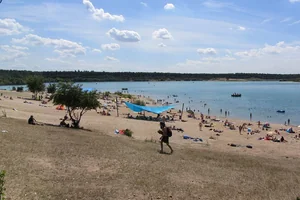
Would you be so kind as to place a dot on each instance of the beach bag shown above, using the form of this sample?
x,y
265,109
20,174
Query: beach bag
x,y
169,131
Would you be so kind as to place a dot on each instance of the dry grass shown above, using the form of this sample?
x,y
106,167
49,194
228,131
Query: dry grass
x,y
56,163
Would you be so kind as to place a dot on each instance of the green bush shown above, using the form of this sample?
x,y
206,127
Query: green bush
x,y
51,88
128,132
129,96
119,93
13,88
106,94
2,188
139,102
20,89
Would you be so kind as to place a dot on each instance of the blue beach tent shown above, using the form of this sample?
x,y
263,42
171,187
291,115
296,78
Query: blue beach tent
x,y
152,109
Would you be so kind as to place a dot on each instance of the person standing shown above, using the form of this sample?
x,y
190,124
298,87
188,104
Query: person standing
x,y
200,126
289,121
250,116
226,113
221,111
208,111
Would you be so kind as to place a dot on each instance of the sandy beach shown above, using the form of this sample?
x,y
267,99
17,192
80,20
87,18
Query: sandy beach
x,y
264,155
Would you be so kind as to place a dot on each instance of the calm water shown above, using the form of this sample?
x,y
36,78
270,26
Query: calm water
x,y
262,99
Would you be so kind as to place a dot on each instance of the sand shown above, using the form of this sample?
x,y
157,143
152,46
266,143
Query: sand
x,y
147,130
44,162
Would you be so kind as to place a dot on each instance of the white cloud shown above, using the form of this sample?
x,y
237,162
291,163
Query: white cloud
x,y
294,1
266,21
124,35
241,28
207,51
57,60
169,6
96,50
162,34
13,52
110,47
61,46
286,20
206,61
278,48
109,58
296,22
99,14
11,27
144,4
162,45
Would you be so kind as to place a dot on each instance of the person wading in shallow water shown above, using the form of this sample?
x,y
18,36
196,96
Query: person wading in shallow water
x,y
166,134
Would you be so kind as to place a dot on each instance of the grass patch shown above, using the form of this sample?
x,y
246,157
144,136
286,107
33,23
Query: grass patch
x,y
2,188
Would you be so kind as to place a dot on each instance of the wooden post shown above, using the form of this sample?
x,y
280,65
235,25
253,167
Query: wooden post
x,y
117,106
182,111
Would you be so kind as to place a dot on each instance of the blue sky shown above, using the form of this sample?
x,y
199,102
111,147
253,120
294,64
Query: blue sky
x,y
188,36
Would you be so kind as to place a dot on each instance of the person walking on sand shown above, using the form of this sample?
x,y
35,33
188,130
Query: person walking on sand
x,y
200,126
165,132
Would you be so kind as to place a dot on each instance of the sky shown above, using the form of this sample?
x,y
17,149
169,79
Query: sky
x,y
185,36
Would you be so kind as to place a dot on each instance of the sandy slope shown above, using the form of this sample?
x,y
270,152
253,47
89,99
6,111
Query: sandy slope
x,y
56,163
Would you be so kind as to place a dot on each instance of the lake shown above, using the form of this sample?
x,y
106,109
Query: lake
x,y
262,99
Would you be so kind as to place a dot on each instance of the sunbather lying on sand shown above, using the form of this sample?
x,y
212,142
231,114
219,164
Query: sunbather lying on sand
x,y
177,129
209,125
217,131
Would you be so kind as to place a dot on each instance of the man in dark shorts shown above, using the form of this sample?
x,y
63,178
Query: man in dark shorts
x,y
164,138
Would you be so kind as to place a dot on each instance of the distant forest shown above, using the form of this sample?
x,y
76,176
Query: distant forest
x,y
14,77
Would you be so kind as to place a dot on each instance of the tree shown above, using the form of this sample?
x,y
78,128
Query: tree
x,y
35,85
77,101
51,88
139,102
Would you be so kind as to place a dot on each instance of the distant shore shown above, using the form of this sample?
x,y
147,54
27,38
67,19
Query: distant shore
x,y
19,77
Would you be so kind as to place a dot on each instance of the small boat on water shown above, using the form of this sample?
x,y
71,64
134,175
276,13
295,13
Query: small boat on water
x,y
236,95
281,111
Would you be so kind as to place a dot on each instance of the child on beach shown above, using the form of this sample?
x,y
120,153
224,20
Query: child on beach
x,y
200,126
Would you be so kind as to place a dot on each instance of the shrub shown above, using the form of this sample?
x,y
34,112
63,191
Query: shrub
x,y
119,93
51,88
106,94
139,102
128,132
129,96
20,89
2,188
13,88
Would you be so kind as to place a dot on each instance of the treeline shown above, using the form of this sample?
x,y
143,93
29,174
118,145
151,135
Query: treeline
x,y
14,77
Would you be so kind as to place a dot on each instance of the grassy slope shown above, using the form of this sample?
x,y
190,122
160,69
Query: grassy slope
x,y
54,163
